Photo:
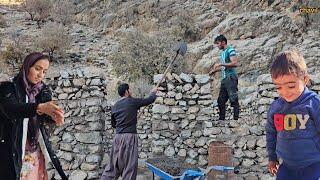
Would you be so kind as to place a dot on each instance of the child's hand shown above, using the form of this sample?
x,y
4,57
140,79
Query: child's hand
x,y
273,167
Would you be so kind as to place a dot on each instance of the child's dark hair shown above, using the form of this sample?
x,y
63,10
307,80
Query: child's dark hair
x,y
220,38
122,89
289,62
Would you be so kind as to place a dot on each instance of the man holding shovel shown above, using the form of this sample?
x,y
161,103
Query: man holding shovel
x,y
124,152
229,79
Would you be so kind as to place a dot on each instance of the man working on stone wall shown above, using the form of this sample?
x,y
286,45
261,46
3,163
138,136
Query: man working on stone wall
x,y
229,79
124,152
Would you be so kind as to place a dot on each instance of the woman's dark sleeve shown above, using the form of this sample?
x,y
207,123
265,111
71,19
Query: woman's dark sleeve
x,y
46,96
11,108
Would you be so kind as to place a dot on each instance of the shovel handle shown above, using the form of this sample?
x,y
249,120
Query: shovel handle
x,y
167,70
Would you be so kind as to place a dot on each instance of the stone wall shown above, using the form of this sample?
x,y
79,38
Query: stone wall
x,y
80,142
185,120
182,122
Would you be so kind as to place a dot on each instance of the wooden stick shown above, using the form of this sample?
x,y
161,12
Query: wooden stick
x,y
166,71
162,78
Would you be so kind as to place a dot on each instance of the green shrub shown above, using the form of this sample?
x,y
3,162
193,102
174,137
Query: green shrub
x,y
53,39
184,26
15,51
140,55
140,88
38,10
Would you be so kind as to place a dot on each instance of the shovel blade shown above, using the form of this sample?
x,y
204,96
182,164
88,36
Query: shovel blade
x,y
181,48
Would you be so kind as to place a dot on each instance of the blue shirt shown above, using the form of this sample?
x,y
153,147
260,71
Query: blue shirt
x,y
293,130
225,58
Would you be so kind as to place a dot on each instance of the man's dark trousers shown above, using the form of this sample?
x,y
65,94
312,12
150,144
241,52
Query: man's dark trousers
x,y
229,90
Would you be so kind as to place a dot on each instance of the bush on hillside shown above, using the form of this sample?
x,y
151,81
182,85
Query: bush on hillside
x,y
140,55
140,88
38,10
15,51
53,39
184,27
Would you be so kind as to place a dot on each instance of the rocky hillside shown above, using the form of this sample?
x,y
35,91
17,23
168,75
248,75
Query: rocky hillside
x,y
257,29
81,78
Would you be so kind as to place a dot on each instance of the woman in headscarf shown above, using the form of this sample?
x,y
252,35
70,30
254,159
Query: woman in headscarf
x,y
25,105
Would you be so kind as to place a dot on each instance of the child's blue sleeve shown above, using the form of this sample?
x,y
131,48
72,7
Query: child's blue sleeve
x,y
315,112
271,136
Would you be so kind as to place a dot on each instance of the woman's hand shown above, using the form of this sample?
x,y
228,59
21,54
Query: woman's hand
x,y
273,167
52,110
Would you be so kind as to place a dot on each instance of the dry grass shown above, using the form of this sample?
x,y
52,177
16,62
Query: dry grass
x,y
53,39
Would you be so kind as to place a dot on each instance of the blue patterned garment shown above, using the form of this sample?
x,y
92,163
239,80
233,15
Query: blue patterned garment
x,y
225,58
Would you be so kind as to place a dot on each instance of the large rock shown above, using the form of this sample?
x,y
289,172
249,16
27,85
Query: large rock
x,y
157,78
67,137
206,89
247,163
162,109
90,138
264,79
78,175
201,142
169,151
93,158
202,79
88,167
79,82
93,102
192,153
186,78
169,101
95,82
193,109
187,87
177,111
159,125
182,153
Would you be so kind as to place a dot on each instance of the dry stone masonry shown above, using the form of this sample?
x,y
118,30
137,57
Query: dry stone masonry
x,y
182,122
185,120
79,142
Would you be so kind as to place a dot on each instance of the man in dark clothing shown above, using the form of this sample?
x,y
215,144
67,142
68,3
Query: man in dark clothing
x,y
229,79
124,152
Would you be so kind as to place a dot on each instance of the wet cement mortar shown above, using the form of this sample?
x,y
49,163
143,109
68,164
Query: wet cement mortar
x,y
172,166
